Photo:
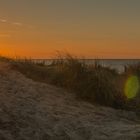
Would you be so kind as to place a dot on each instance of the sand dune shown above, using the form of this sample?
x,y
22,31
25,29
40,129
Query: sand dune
x,y
36,111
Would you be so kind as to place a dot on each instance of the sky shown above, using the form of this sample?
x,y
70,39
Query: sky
x,y
86,28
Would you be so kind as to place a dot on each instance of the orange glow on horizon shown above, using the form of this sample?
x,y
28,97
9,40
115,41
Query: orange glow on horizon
x,y
90,29
105,49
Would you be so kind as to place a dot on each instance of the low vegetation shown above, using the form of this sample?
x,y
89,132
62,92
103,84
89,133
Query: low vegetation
x,y
93,83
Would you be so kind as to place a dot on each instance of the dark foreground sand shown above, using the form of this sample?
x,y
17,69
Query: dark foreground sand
x,y
36,111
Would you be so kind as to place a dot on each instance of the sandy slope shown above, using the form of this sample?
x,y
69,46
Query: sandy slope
x,y
35,111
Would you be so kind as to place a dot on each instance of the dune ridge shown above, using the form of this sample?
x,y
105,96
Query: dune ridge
x,y
31,110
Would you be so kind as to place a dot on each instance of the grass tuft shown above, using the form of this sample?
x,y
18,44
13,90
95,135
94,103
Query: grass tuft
x,y
92,83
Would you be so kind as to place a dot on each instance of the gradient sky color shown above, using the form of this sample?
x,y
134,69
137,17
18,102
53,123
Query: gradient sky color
x,y
90,28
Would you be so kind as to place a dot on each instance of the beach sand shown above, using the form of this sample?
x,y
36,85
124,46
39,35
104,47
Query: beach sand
x,y
31,110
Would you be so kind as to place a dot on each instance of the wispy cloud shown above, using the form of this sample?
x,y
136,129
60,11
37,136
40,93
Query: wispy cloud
x,y
17,23
3,20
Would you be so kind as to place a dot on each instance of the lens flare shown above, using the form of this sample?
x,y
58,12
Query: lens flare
x,y
132,87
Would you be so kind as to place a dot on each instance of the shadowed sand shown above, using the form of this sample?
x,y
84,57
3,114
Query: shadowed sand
x,y
36,111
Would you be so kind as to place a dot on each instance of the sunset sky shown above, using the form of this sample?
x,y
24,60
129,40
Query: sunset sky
x,y
90,28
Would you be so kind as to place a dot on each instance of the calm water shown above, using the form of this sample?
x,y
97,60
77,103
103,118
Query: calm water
x,y
117,64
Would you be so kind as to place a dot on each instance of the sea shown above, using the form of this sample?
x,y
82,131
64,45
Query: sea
x,y
118,64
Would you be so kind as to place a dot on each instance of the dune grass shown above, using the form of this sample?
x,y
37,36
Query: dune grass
x,y
92,83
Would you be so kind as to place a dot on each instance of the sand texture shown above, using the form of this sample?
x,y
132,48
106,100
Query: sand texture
x,y
31,110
